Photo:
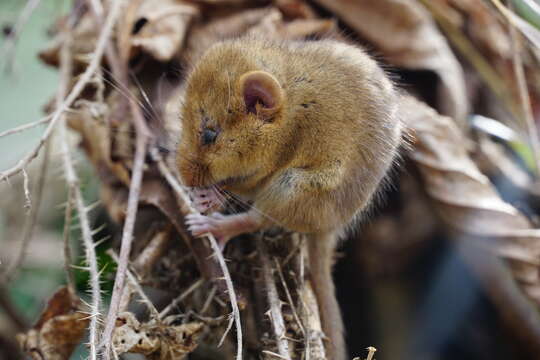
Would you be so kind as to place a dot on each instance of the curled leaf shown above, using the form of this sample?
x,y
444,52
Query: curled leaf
x,y
465,199
58,330
156,27
404,32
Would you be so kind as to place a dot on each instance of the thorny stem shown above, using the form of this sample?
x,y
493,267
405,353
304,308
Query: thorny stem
x,y
31,219
72,180
21,128
68,261
142,137
127,238
291,304
186,202
276,317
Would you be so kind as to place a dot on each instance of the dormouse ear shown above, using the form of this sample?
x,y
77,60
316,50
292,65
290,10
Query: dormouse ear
x,y
261,91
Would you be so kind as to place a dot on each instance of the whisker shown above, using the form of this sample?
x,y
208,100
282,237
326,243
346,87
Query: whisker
x,y
144,94
128,94
222,199
247,206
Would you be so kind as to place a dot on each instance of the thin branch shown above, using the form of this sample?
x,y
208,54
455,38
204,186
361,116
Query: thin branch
x,y
152,252
127,238
31,219
276,317
142,137
278,356
137,286
291,303
179,298
79,86
21,128
208,301
72,181
186,205
26,190
68,259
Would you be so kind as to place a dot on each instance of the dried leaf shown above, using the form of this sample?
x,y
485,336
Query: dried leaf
x,y
155,340
295,9
83,44
204,35
273,26
98,137
404,32
58,330
465,199
484,27
157,27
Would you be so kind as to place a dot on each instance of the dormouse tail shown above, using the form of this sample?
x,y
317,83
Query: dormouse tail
x,y
321,248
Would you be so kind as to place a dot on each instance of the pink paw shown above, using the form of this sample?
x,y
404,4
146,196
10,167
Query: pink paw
x,y
205,199
216,224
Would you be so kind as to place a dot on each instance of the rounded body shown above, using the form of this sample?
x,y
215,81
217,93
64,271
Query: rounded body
x,y
312,162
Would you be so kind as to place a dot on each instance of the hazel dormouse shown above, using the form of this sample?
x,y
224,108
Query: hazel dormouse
x,y
303,130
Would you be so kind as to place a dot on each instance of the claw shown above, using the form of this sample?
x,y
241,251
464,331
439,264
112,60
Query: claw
x,y
205,199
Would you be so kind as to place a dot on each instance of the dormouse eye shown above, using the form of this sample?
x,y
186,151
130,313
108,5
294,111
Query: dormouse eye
x,y
209,136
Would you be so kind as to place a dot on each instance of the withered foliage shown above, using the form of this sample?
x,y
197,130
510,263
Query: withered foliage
x,y
465,49
59,329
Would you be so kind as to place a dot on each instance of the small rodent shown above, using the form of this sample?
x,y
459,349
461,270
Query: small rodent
x,y
305,130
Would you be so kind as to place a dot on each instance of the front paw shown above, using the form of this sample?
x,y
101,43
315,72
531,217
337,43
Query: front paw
x,y
216,224
205,199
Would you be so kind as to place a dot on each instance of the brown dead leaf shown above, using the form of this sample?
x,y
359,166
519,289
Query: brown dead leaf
x,y
295,9
157,27
267,22
465,199
157,341
273,26
99,136
483,26
205,34
84,40
404,32
58,330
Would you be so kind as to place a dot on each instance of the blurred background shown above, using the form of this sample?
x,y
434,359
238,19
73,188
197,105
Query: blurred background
x,y
407,284
26,86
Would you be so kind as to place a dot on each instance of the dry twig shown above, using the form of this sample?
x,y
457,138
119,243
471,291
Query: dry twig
x,y
21,128
291,304
31,219
179,298
137,287
276,317
68,261
72,181
186,202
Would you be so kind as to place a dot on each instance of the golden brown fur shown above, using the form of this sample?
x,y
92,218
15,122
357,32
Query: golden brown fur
x,y
311,161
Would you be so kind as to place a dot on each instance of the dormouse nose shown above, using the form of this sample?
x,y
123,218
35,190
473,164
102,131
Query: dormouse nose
x,y
209,136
